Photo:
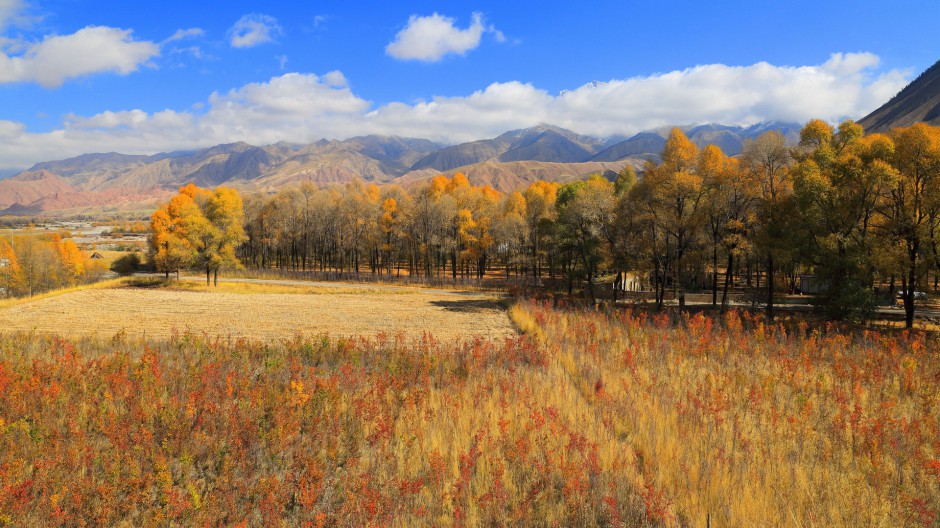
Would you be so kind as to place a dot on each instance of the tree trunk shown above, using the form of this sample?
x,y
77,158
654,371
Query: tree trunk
x,y
207,276
724,294
618,283
678,285
770,286
909,283
715,275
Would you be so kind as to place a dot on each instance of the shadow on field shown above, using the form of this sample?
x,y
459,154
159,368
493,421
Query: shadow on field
x,y
468,306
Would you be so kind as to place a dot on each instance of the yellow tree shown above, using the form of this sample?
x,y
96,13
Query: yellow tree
x,y
10,273
359,208
71,261
221,232
198,227
540,199
511,231
766,162
911,208
730,197
170,246
585,210
389,224
673,194
839,181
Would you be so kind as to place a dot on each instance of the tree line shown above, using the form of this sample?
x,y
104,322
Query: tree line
x,y
861,212
31,264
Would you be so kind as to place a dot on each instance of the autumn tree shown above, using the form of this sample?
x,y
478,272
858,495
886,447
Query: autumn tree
x,y
765,163
10,272
511,232
70,269
169,243
198,228
584,210
911,205
839,181
540,198
730,196
673,195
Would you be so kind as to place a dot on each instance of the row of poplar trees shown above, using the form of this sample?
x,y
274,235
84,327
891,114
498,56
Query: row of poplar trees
x,y
860,212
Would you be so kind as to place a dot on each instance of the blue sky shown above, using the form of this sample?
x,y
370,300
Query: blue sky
x,y
86,76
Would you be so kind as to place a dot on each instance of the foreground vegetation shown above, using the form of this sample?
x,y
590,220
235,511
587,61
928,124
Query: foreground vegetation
x,y
587,419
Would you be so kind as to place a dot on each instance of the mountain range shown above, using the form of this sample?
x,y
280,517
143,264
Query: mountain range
x,y
112,182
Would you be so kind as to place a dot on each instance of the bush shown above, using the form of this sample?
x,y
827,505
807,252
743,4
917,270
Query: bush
x,y
127,264
852,301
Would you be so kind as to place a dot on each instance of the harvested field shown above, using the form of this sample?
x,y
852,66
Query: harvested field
x,y
160,312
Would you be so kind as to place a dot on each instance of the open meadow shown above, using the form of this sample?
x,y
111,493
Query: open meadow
x,y
260,311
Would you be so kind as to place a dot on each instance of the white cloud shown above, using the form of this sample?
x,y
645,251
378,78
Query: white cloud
x,y
11,12
183,34
93,49
305,107
335,79
252,30
430,38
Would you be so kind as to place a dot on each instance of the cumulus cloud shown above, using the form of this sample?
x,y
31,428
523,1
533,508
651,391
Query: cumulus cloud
x,y
93,49
305,107
252,30
430,38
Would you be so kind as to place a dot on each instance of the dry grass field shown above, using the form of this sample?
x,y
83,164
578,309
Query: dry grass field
x,y
260,311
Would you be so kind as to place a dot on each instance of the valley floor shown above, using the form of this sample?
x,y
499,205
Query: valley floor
x,y
261,310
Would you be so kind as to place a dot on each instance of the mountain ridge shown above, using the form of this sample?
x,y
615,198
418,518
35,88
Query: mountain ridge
x,y
508,161
919,101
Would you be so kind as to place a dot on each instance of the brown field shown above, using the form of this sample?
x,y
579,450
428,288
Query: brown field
x,y
159,312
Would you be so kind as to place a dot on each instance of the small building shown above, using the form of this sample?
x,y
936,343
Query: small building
x,y
630,281
97,256
813,284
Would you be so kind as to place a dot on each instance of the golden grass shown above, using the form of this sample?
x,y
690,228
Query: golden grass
x,y
15,301
259,311
255,288
758,425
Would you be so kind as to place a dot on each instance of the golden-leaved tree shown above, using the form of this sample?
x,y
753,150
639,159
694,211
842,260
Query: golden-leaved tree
x,y
9,269
910,209
198,228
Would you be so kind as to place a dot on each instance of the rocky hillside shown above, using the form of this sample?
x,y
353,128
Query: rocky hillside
x,y
918,102
35,192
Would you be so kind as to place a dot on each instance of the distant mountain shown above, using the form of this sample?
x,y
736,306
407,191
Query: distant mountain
x,y
730,139
34,192
541,143
644,143
507,162
513,175
918,102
